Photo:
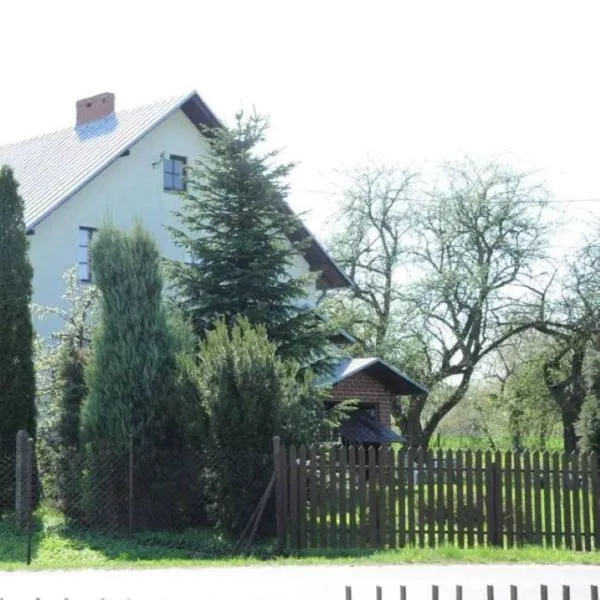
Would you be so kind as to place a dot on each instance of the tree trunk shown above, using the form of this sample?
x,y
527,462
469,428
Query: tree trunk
x,y
516,434
570,439
417,437
408,419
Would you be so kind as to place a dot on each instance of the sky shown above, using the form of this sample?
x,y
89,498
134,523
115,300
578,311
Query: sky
x,y
406,82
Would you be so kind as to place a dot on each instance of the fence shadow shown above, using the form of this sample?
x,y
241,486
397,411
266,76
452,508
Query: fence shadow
x,y
13,541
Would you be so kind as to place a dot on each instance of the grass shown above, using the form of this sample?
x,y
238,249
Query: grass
x,y
471,442
55,547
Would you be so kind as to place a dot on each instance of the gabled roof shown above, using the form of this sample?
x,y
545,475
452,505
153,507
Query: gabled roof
x,y
51,168
396,381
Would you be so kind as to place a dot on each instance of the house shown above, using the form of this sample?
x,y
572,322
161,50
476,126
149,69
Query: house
x,y
130,165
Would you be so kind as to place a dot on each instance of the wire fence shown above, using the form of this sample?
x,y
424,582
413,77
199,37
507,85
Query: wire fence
x,y
121,491
145,499
7,483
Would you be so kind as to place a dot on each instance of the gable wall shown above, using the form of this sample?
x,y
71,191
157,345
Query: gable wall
x,y
365,388
127,190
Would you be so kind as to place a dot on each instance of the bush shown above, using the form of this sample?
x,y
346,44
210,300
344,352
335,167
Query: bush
x,y
250,395
588,426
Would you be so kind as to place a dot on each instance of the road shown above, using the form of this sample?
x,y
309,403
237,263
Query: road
x,y
297,583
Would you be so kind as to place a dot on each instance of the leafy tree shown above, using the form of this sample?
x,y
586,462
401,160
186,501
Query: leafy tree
x,y
60,367
568,312
588,425
439,285
131,381
530,413
251,395
240,235
61,363
17,375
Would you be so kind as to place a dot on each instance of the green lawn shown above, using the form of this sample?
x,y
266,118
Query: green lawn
x,y
469,442
54,547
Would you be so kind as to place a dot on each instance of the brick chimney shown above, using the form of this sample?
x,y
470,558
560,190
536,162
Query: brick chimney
x,y
94,108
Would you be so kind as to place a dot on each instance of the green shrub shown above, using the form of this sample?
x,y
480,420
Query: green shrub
x,y
251,395
588,426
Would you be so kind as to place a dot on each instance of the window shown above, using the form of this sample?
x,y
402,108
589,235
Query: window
x,y
83,253
174,172
191,260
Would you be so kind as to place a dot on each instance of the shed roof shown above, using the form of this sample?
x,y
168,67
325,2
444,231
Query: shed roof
x,y
395,380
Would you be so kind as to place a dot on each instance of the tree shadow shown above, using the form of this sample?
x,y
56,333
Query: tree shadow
x,y
192,544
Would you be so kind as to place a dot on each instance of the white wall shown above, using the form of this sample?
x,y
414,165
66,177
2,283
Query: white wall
x,y
129,189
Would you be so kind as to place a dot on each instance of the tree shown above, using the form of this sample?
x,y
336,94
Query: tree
x,y
588,425
569,318
464,254
376,219
523,397
17,375
61,364
60,367
131,382
237,230
251,395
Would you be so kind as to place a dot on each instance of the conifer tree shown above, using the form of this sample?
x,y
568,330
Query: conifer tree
x,y
251,395
131,382
17,375
237,230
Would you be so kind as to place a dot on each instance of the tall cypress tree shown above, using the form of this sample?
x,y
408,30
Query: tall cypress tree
x,y
237,230
131,383
17,375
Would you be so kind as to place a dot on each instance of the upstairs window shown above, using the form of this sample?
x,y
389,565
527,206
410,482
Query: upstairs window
x,y
174,173
83,253
189,259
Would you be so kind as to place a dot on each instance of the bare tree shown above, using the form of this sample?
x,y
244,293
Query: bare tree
x,y
375,217
464,256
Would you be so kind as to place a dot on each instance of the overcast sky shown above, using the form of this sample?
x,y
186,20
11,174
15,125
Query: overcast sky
x,y
410,82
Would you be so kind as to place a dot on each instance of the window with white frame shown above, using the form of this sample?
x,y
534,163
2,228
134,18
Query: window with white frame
x,y
174,172
191,259
83,253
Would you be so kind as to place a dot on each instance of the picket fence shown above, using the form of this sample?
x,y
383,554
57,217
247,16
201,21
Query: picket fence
x,y
338,497
488,595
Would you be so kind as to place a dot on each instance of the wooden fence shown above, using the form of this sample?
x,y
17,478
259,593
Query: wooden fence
x,y
338,497
488,595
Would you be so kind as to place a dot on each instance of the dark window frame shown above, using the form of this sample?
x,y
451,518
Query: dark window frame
x,y
173,175
90,234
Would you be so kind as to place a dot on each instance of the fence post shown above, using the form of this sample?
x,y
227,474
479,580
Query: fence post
x,y
23,473
494,493
278,495
130,485
29,496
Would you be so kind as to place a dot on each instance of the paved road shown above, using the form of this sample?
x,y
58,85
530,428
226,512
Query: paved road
x,y
296,583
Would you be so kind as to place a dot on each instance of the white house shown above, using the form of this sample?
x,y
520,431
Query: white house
x,y
123,165
129,165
